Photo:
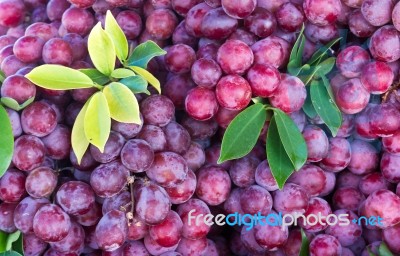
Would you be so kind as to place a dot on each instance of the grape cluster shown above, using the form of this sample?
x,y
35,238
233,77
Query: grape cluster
x,y
135,197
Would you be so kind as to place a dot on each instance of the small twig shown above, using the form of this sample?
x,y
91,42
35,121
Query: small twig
x,y
129,215
392,89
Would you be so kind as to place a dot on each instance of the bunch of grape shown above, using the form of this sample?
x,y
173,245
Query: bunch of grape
x,y
135,198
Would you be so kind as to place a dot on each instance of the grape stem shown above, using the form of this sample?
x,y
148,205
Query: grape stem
x,y
391,90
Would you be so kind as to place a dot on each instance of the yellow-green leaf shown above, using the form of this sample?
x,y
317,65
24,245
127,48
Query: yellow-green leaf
x,y
122,73
117,36
148,76
78,138
6,141
101,50
57,77
97,124
122,103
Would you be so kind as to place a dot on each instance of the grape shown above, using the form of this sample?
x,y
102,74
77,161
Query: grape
x,y
58,142
255,199
182,7
236,244
225,116
12,12
128,130
322,13
28,48
130,23
377,13
385,44
293,244
75,197
38,119
157,110
242,171
155,249
87,162
12,186
239,9
178,138
362,126
364,157
194,19
235,57
384,120
41,182
261,22
194,156
317,143
7,217
57,51
216,24
90,218
161,24
82,3
112,148
56,8
395,16
321,34
29,152
347,235
383,203
348,198
168,232
310,177
291,199
179,58
391,144
137,229
57,224
264,80
193,247
197,210
290,94
109,179
339,155
77,20
200,130
80,48
11,64
243,35
5,52
201,103
206,72
32,245
177,87
207,51
290,17
111,231
347,127
263,236
135,248
233,92
372,235
249,241
389,163
359,26
325,245
137,155
155,136
348,179
213,185
181,36
317,207
264,177
377,77
184,191
121,201
73,242
390,236
232,203
372,182
6,40
168,169
351,61
152,203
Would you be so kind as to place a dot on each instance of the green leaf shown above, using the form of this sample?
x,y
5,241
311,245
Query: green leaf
x,y
308,75
296,54
325,106
370,253
117,36
2,76
308,107
122,73
242,133
292,140
101,50
10,253
78,138
326,66
321,52
18,246
136,84
384,250
3,240
57,77
122,103
305,244
13,104
148,76
143,53
13,237
6,141
97,121
279,161
95,75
